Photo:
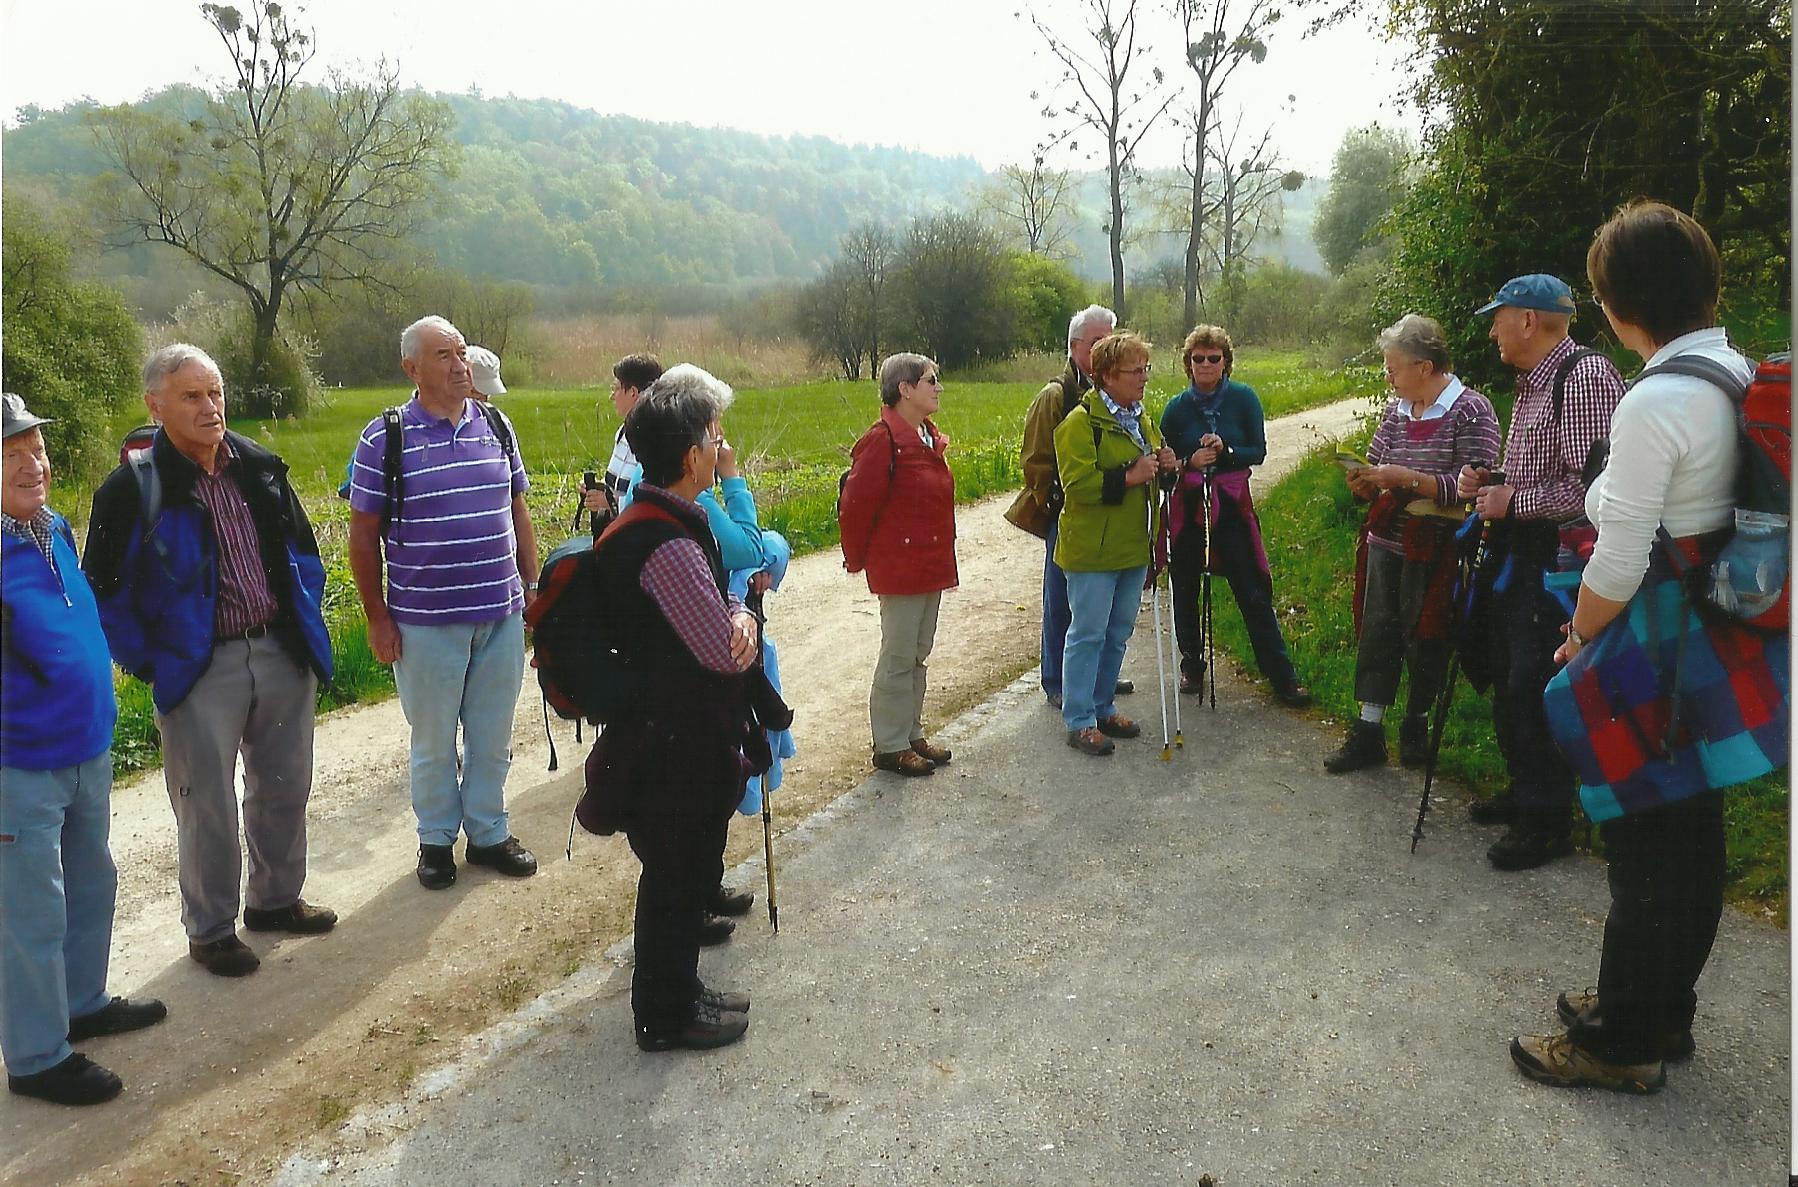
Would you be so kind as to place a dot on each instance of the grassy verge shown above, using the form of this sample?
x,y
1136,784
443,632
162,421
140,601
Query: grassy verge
x,y
1310,523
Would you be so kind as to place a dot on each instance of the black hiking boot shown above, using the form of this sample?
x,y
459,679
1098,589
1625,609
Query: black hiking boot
x,y
1365,746
1414,741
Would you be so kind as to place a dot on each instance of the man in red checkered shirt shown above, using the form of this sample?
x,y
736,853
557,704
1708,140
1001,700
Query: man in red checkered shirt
x,y
1565,397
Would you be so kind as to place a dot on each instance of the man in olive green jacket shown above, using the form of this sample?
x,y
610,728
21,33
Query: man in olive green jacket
x,y
1037,505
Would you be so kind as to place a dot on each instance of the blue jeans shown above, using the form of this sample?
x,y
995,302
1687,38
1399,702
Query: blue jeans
x,y
1102,610
57,885
1055,616
468,672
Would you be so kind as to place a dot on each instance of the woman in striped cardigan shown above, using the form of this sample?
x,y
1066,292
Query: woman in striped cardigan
x,y
1405,564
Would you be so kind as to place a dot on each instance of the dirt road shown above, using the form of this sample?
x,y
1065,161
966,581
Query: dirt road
x,y
244,1069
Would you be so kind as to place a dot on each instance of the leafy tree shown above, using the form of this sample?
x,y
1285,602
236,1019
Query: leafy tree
x,y
275,186
70,348
1552,114
1097,63
1046,293
955,288
1367,177
1248,184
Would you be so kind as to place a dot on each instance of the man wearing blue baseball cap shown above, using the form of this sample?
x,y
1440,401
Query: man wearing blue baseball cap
x,y
1565,397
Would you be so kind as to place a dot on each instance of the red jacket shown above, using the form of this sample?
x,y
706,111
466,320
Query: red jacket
x,y
897,514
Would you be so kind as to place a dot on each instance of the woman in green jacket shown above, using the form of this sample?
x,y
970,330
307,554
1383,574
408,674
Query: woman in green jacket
x,y
1108,454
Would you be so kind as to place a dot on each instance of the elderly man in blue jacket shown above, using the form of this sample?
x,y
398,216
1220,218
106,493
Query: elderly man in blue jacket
x,y
209,583
57,880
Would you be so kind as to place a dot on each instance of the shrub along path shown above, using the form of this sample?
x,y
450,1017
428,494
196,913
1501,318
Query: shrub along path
x,y
244,1070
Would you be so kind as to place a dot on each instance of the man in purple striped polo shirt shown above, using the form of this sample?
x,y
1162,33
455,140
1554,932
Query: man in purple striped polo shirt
x,y
461,564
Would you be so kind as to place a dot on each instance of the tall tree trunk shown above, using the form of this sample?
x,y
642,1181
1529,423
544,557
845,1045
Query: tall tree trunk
x,y
1196,232
1117,237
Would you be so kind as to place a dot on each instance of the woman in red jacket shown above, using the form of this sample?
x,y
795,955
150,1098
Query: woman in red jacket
x,y
897,518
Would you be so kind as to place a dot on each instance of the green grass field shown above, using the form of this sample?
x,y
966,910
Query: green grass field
x,y
1310,523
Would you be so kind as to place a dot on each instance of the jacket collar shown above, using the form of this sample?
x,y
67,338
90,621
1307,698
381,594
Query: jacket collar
x,y
179,472
690,515
903,431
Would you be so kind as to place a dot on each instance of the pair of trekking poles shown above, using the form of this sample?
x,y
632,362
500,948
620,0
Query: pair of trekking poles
x,y
1170,639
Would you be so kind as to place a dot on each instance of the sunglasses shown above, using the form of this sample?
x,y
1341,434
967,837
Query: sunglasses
x,y
1204,358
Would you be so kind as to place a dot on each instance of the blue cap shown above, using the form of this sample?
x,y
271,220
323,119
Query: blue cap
x,y
1538,290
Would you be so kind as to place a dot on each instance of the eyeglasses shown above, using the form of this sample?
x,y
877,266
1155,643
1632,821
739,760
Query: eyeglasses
x,y
1204,358
1142,370
936,380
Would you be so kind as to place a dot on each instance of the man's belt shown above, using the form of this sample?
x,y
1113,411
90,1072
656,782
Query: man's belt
x,y
258,631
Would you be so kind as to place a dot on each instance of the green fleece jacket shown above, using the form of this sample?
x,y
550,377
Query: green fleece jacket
x,y
1105,525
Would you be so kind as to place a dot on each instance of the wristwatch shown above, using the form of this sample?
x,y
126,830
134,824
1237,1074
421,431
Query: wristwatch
x,y
1573,635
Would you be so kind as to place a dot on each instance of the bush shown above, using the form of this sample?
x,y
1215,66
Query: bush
x,y
71,349
288,385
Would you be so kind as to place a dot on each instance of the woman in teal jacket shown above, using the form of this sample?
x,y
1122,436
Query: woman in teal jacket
x,y
1108,453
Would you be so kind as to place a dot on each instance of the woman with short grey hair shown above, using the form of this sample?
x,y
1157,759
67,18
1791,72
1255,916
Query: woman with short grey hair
x,y
896,513
1405,562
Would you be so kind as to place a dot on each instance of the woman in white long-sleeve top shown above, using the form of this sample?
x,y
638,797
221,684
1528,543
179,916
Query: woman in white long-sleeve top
x,y
1658,709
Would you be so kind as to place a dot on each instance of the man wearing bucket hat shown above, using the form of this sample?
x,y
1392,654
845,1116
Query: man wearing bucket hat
x,y
57,880
1565,397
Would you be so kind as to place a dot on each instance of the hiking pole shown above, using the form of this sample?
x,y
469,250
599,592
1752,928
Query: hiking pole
x,y
768,855
1446,698
1209,643
1176,660
1167,753
1443,702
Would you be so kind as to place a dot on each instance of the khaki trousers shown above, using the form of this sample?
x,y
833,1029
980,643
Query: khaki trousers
x,y
896,702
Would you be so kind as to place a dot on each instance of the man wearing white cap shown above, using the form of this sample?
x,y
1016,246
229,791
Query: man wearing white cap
x,y
483,369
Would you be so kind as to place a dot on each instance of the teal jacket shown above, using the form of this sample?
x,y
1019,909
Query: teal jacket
x,y
1105,525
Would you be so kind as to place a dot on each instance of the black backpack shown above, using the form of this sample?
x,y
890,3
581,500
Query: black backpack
x,y
575,647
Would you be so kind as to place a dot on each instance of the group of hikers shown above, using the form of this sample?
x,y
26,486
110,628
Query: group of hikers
x,y
202,577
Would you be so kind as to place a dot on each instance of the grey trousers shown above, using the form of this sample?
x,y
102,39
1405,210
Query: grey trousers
x,y
896,702
254,699
1390,608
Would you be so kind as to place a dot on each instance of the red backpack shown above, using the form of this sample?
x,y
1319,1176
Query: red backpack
x,y
1750,578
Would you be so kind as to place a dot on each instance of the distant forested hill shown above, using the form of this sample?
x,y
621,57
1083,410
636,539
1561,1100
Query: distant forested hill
x,y
585,207
567,199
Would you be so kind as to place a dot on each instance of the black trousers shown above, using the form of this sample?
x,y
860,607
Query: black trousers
x,y
682,861
1666,875
1526,631
1389,644
1253,591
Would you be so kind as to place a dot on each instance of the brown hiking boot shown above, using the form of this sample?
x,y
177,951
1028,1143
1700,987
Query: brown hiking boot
x,y
904,762
1091,741
1558,1060
1119,726
938,756
1365,746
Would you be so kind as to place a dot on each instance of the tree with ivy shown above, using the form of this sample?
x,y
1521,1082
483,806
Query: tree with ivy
x,y
276,186
1551,114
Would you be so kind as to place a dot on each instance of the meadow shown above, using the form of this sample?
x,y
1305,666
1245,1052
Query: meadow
x,y
792,441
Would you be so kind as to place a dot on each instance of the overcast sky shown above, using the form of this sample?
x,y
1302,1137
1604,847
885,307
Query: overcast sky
x,y
942,76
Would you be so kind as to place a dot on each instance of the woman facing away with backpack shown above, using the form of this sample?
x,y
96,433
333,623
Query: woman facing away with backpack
x,y
896,515
1658,709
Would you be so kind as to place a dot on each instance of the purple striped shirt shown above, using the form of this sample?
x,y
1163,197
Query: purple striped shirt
x,y
244,597
451,552
1464,435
